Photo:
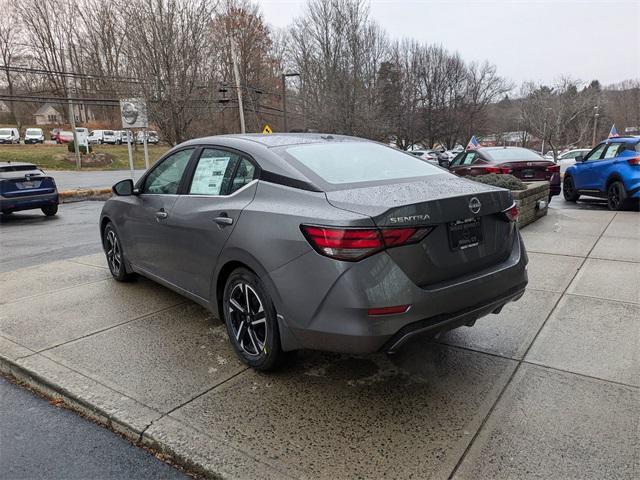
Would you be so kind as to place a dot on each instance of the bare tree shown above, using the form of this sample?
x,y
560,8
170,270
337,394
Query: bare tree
x,y
11,51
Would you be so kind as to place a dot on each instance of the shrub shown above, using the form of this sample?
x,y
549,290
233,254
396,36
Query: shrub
x,y
503,181
71,147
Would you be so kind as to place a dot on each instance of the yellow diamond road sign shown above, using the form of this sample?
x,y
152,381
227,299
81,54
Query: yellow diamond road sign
x,y
267,128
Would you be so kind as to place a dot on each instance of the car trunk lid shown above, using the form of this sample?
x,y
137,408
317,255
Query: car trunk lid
x,y
530,171
470,232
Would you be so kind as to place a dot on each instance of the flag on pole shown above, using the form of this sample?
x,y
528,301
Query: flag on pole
x,y
613,133
473,143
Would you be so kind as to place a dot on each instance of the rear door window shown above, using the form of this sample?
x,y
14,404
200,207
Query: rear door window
x,y
213,173
612,150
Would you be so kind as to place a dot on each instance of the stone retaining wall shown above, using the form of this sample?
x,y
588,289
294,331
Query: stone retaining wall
x,y
530,200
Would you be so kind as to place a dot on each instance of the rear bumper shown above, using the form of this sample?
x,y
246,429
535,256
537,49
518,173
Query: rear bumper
x,y
28,202
334,316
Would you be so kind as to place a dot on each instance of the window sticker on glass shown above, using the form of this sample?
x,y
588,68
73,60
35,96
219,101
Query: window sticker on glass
x,y
209,175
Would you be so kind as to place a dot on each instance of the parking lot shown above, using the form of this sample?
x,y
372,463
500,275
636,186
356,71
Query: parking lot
x,y
549,388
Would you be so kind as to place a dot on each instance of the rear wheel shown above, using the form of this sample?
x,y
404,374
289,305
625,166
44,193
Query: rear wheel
x,y
569,189
115,255
50,210
616,196
251,320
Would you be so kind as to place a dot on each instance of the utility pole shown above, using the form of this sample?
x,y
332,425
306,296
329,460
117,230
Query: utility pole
x,y
236,74
72,115
284,97
595,125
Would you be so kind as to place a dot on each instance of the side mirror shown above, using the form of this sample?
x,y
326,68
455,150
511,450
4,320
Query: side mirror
x,y
445,163
579,158
124,188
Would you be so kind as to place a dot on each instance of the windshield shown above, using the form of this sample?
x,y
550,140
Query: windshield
x,y
34,131
108,132
5,131
512,155
357,162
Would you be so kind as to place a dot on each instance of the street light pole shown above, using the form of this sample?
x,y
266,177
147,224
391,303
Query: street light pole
x,y
284,97
595,125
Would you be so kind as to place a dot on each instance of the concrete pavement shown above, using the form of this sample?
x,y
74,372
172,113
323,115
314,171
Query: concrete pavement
x,y
72,180
31,238
549,388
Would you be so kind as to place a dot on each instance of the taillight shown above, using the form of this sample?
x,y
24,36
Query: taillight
x,y
503,170
511,213
352,244
553,168
634,161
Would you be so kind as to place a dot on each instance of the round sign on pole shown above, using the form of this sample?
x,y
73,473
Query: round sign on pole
x,y
134,113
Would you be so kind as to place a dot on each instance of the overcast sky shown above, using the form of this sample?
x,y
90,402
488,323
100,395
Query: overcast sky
x,y
536,40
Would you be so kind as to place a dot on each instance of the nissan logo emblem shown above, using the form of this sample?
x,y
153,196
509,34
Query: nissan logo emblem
x,y
474,205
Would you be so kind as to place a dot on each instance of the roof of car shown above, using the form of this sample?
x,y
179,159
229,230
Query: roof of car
x,y
17,164
626,139
278,139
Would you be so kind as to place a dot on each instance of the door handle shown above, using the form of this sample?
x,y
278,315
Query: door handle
x,y
223,220
161,215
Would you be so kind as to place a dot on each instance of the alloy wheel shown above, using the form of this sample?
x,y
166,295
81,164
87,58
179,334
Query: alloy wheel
x,y
248,319
114,252
614,195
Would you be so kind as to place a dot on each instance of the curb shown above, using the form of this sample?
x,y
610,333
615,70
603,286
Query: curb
x,y
84,194
165,437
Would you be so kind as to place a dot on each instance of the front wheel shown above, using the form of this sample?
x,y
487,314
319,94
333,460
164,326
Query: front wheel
x,y
251,321
50,210
115,256
616,196
569,189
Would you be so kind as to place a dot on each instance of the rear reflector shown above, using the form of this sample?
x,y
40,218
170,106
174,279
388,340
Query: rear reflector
x,y
352,244
634,161
388,310
511,213
553,168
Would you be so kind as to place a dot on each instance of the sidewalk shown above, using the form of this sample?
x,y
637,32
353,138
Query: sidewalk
x,y
550,388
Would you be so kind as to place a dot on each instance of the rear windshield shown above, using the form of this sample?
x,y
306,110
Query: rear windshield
x,y
5,131
358,162
512,155
34,131
108,132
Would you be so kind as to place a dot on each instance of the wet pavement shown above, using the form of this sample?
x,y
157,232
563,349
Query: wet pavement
x,y
549,388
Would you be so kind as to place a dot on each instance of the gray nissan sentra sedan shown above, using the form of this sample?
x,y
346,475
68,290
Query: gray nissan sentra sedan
x,y
316,241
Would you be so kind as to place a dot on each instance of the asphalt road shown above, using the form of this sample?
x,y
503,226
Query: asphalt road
x,y
70,180
30,238
39,440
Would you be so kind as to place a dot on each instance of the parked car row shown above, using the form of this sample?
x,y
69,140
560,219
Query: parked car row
x,y
113,137
611,170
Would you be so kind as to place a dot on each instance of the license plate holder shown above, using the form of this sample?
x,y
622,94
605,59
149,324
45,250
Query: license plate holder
x,y
466,233
528,173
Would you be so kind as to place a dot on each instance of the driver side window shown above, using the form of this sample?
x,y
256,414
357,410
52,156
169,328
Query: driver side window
x,y
165,178
596,153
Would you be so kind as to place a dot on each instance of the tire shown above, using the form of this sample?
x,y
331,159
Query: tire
x,y
115,255
50,210
616,196
251,321
569,189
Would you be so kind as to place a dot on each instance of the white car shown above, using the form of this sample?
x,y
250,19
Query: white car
x,y
152,137
9,135
566,159
103,136
34,135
